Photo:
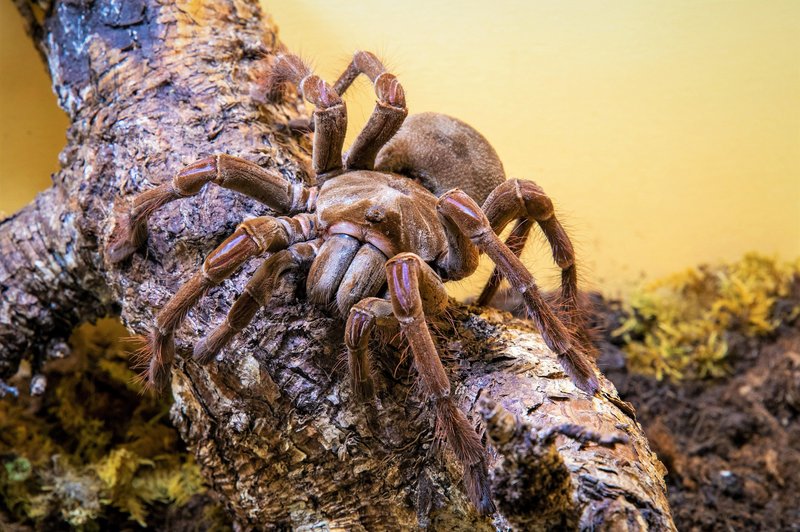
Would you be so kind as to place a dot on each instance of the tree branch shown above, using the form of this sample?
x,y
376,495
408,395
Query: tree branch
x,y
152,85
46,286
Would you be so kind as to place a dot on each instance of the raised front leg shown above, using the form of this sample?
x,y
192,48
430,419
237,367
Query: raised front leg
x,y
390,109
330,115
267,186
462,210
272,275
253,237
416,289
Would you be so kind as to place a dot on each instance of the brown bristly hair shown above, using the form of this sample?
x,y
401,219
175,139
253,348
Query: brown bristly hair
x,y
140,360
152,360
130,230
273,80
453,426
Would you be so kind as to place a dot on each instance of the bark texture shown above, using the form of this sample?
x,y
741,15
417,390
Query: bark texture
x,y
152,85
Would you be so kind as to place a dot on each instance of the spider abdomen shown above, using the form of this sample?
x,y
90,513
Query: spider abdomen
x,y
443,153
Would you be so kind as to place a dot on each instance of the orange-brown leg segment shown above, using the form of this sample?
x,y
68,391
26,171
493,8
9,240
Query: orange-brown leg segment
x,y
415,289
516,243
253,237
330,115
272,275
267,186
462,210
387,117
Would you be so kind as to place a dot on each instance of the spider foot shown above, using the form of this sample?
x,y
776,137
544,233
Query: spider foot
x,y
130,231
476,482
204,351
579,370
120,245
154,360
159,372
467,446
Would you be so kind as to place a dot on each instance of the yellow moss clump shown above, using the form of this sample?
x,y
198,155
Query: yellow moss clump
x,y
94,451
680,326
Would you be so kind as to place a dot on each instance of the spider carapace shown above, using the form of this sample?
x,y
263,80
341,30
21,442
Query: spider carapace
x,y
412,204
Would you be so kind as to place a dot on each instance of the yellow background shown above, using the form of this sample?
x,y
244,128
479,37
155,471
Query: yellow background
x,y
668,133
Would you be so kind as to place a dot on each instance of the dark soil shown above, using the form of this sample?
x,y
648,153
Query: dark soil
x,y
731,445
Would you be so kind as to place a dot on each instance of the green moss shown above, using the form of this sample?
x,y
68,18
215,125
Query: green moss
x,y
681,326
96,452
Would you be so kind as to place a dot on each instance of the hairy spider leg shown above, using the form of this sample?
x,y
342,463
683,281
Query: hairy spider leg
x,y
526,202
267,186
471,220
416,289
275,273
516,243
387,117
330,113
253,237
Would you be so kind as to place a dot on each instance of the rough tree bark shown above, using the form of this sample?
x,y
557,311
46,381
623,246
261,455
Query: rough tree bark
x,y
151,85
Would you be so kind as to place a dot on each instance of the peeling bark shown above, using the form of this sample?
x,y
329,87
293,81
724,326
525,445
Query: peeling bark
x,y
153,85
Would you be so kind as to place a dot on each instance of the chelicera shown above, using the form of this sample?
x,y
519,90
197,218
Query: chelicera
x,y
377,235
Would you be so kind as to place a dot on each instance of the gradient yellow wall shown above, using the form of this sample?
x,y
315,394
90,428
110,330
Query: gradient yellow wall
x,y
668,133
32,127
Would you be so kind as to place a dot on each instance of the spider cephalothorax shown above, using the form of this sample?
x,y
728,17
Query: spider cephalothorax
x,y
377,236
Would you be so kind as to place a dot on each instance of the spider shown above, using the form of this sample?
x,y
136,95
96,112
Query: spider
x,y
377,236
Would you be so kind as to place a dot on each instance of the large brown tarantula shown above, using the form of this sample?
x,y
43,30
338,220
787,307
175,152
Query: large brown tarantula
x,y
381,231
